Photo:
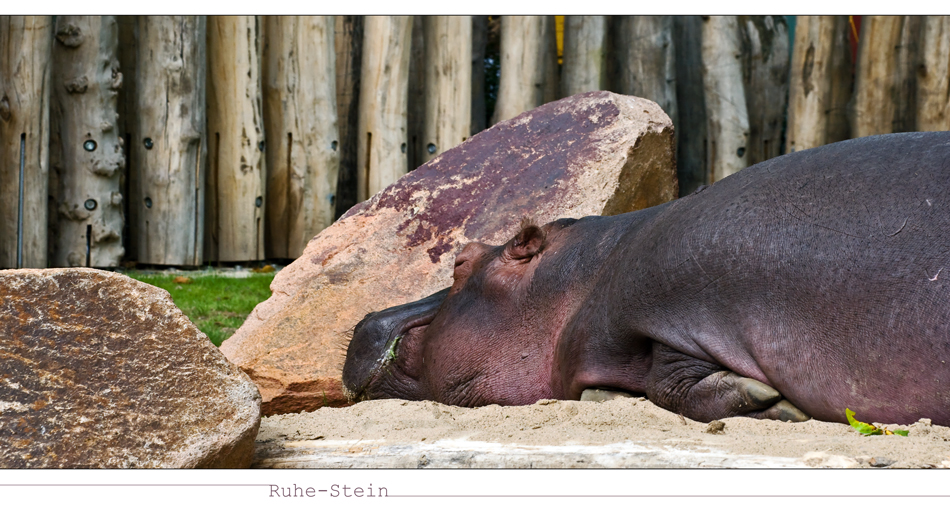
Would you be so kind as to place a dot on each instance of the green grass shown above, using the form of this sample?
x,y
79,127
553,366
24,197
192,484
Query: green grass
x,y
218,305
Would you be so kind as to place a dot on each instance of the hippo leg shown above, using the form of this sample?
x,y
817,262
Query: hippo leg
x,y
705,391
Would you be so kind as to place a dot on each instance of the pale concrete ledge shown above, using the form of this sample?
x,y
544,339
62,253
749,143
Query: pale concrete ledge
x,y
471,454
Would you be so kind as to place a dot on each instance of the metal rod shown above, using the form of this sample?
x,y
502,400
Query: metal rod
x,y
19,226
88,245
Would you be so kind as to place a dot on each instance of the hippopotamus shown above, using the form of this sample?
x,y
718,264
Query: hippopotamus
x,y
798,287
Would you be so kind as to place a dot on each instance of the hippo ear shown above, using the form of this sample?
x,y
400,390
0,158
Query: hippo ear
x,y
528,242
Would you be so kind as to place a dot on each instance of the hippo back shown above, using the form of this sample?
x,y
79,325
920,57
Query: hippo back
x,y
828,268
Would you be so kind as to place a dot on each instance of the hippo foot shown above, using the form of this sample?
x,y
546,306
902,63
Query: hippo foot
x,y
760,395
783,411
705,391
727,394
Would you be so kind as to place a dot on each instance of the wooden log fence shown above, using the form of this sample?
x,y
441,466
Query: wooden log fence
x,y
585,55
167,138
522,66
448,83
236,170
303,157
820,83
727,117
643,61
384,88
25,46
86,154
184,140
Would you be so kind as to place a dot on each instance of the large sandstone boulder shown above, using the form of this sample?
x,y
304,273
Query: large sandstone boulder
x,y
100,370
591,154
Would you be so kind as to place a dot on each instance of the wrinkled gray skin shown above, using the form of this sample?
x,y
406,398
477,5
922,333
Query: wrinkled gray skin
x,y
801,286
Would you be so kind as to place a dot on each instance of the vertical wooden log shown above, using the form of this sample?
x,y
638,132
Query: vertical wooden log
x,y
448,80
300,118
691,132
128,30
86,156
933,78
877,77
820,83
25,45
479,43
551,75
169,140
726,114
645,60
236,168
416,99
908,61
349,54
765,59
584,54
383,97
522,66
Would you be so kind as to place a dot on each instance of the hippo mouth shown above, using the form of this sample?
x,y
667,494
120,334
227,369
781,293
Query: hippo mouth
x,y
376,342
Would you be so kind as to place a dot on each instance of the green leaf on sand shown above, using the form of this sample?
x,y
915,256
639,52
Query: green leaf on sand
x,y
870,429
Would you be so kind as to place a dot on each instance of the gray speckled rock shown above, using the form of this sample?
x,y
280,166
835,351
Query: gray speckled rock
x,y
100,370
595,153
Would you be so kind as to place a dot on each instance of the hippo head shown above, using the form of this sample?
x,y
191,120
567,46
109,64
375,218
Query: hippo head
x,y
487,339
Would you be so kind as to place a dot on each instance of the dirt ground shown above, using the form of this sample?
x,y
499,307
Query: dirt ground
x,y
628,432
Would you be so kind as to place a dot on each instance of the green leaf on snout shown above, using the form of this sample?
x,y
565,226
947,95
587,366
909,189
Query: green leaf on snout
x,y
870,429
391,355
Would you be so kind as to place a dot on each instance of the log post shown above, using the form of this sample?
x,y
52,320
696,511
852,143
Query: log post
x,y
551,75
479,43
128,30
349,55
645,60
383,101
765,56
86,155
820,84
169,144
933,78
691,148
416,99
726,114
236,169
908,62
522,66
448,81
877,77
584,66
25,46
303,156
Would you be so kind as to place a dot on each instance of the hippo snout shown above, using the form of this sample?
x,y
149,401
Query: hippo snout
x,y
375,341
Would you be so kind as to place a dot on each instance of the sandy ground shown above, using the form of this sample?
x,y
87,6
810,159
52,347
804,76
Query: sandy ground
x,y
628,432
